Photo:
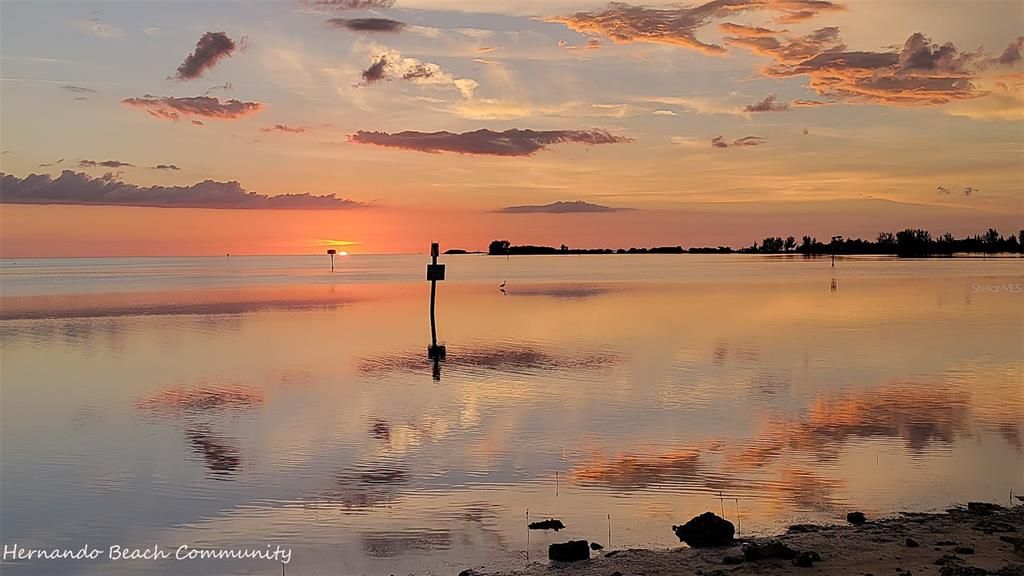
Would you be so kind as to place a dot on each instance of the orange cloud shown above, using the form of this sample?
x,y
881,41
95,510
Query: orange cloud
x,y
678,26
921,73
173,108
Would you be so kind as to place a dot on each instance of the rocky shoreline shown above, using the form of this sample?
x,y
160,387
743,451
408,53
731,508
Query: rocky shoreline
x,y
977,540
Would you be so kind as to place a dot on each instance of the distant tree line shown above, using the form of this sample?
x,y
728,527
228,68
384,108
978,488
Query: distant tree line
x,y
909,242
504,247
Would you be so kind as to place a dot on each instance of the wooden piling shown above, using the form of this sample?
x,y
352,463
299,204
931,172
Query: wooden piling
x,y
435,272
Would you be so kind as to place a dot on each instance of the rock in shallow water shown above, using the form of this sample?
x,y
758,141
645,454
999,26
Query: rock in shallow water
x,y
981,508
803,528
806,559
772,549
570,551
705,531
953,570
551,524
856,518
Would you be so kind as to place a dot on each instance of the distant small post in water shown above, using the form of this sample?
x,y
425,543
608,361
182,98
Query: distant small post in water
x,y
332,252
737,516
435,272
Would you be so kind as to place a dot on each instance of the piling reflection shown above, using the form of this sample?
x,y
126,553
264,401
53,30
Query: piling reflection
x,y
507,356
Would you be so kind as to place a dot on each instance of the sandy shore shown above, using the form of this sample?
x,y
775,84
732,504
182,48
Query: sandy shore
x,y
956,543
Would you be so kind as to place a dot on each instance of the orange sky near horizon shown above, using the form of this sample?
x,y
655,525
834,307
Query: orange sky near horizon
x,y
41,231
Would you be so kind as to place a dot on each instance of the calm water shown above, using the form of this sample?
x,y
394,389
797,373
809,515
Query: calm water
x,y
262,401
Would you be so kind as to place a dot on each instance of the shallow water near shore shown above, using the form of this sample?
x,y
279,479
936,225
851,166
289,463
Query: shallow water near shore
x,y
262,401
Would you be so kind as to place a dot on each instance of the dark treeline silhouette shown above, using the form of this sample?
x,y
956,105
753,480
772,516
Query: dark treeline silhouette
x,y
908,242
504,247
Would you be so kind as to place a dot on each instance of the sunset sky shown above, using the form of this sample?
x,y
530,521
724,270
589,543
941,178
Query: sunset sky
x,y
160,128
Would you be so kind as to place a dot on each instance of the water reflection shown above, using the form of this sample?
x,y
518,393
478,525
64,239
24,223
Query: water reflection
x,y
204,302
559,291
222,459
506,356
312,427
202,397
639,471
196,409
391,544
367,487
917,414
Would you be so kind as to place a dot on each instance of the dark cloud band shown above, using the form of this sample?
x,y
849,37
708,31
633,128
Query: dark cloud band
x,y
367,24
512,142
350,4
77,188
561,207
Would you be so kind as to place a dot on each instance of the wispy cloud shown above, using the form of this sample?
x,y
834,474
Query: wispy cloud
x,y
698,104
512,142
287,129
211,48
769,104
227,86
95,27
165,167
78,89
590,44
720,142
104,164
386,64
561,207
750,31
966,190
808,103
78,188
173,108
